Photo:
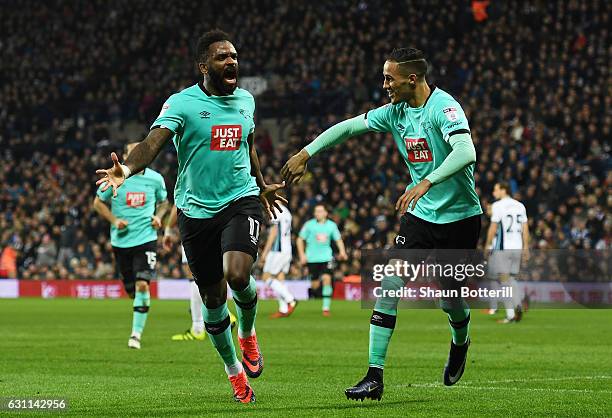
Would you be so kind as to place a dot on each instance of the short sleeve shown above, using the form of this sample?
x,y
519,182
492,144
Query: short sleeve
x,y
335,232
496,214
524,214
161,194
450,118
304,231
171,116
106,195
379,119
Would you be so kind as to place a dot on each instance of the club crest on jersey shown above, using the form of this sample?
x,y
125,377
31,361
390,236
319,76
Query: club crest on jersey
x,y
135,199
451,113
225,137
418,150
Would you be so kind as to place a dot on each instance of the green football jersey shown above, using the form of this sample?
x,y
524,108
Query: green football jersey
x,y
318,237
421,135
135,202
210,136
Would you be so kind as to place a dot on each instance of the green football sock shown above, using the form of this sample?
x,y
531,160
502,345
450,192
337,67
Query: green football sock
x,y
327,292
458,318
142,300
382,322
217,324
246,308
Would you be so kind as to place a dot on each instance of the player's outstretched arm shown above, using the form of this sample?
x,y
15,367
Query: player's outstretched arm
x,y
295,168
141,156
268,192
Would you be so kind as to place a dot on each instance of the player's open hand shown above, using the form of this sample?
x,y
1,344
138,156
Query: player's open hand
x,y
412,196
121,224
270,199
111,177
295,168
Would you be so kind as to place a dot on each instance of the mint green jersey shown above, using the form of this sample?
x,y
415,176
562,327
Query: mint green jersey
x,y
210,136
135,203
421,135
318,237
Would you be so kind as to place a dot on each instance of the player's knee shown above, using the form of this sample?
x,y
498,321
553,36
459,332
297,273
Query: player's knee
x,y
142,286
327,280
237,277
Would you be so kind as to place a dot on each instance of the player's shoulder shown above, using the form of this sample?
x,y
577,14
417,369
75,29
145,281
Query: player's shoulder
x,y
244,94
187,94
149,172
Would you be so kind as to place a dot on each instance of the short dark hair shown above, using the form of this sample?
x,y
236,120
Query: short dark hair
x,y
504,186
411,60
323,205
206,40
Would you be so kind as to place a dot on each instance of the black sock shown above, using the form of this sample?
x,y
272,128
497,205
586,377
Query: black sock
x,y
375,373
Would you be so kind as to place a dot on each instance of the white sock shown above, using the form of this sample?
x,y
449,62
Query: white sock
x,y
197,318
281,290
234,369
243,334
283,307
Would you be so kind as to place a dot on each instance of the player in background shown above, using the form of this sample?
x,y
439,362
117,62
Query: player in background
x,y
135,215
196,331
433,137
276,260
508,238
317,235
219,194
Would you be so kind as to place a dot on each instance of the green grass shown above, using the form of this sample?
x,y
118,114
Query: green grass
x,y
554,363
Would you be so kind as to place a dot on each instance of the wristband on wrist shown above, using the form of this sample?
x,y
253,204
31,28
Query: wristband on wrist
x,y
126,171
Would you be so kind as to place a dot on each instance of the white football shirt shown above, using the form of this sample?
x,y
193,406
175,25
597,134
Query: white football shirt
x,y
511,215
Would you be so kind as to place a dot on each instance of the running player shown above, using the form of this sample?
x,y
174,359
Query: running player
x,y
219,212
276,260
433,137
508,238
196,332
134,223
318,234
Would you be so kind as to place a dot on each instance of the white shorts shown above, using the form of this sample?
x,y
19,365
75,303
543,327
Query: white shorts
x,y
183,256
505,262
277,262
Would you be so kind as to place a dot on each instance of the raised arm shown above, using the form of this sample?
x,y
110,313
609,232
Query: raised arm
x,y
295,168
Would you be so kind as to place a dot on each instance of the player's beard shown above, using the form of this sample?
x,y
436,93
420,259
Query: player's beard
x,y
216,79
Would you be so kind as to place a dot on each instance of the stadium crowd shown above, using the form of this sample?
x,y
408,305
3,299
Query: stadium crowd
x,y
533,78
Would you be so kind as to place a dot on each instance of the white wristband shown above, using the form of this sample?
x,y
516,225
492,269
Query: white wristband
x,y
126,170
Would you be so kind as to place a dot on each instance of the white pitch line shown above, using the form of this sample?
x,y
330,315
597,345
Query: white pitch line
x,y
438,385
469,385
543,379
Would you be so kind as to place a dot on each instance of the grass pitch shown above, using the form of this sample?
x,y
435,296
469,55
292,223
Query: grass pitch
x,y
554,363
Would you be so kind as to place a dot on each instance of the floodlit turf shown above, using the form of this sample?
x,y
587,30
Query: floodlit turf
x,y
554,363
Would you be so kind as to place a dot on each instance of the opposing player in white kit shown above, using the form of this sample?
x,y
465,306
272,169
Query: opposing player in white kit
x,y
276,260
196,332
508,238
